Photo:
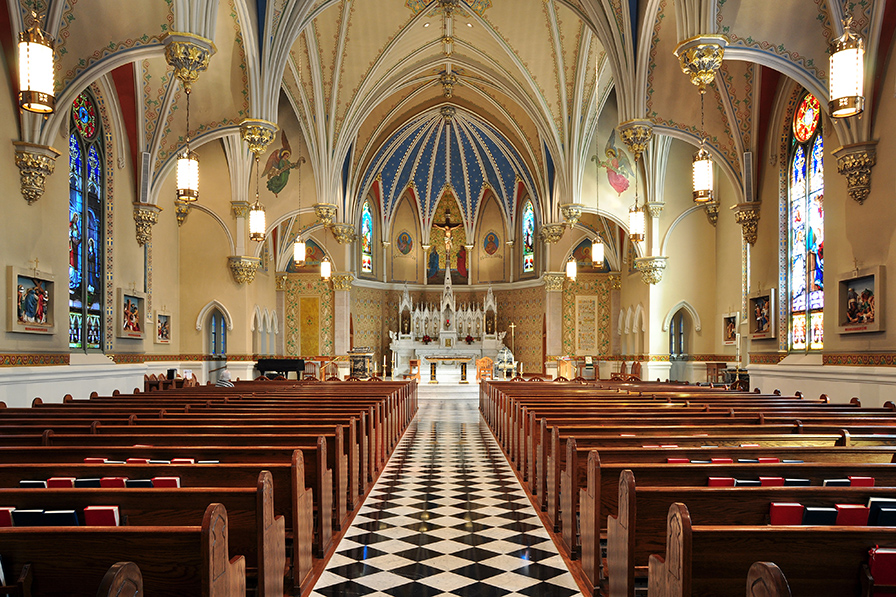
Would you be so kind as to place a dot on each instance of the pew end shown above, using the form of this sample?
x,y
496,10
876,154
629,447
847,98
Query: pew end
x,y
765,579
621,540
22,585
670,575
123,579
222,576
271,539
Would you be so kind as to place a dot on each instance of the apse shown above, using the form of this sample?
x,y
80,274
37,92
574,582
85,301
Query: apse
x,y
448,146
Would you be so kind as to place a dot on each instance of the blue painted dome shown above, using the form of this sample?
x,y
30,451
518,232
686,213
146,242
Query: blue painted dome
x,y
432,151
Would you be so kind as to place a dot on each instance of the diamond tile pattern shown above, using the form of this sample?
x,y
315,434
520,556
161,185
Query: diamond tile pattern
x,y
447,518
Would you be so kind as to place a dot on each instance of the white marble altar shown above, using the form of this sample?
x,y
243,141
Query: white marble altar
x,y
441,331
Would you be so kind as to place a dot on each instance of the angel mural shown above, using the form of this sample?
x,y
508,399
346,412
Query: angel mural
x,y
618,166
278,166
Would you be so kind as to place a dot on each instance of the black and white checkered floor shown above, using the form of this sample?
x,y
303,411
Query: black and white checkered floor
x,y
447,518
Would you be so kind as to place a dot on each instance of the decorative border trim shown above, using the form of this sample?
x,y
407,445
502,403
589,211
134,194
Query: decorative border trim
x,y
874,359
33,360
132,358
767,358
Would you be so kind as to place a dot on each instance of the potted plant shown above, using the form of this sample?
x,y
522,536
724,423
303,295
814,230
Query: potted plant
x,y
469,339
427,339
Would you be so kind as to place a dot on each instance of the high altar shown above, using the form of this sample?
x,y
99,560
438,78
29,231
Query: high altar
x,y
438,334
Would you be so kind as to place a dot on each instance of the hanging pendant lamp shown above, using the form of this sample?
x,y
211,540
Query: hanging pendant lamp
x,y
702,165
847,73
326,268
572,268
36,70
188,167
257,223
637,218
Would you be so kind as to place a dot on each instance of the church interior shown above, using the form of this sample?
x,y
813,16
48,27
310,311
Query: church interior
x,y
400,189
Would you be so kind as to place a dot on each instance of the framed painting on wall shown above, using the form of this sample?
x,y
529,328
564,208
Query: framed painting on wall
x,y
762,315
861,300
31,301
130,314
163,327
729,329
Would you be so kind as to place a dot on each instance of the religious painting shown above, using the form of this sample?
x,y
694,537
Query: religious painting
x,y
761,313
729,329
314,254
861,300
584,264
404,243
131,314
163,327
491,243
309,325
618,166
278,166
31,301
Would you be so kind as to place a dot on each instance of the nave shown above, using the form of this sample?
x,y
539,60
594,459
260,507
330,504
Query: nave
x,y
447,517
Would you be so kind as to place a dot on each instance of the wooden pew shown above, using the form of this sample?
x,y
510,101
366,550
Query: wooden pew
x,y
639,528
123,579
291,499
704,560
254,530
72,561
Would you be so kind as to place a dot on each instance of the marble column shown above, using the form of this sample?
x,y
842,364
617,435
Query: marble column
x,y
342,311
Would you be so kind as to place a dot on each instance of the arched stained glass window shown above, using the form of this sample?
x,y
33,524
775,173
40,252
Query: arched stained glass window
x,y
806,238
85,231
366,239
528,230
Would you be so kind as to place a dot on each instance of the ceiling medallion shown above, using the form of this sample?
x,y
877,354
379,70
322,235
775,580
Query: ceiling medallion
x,y
700,57
448,80
448,112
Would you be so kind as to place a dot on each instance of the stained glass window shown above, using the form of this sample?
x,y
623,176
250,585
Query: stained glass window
x,y
366,239
528,238
806,235
85,229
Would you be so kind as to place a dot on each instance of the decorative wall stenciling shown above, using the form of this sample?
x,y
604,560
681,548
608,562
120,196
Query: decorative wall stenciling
x,y
586,325
309,325
525,308
300,286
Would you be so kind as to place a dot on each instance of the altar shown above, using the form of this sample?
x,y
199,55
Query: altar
x,y
445,339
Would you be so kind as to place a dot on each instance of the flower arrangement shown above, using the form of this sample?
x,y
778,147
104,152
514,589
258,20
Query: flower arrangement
x,y
469,339
427,339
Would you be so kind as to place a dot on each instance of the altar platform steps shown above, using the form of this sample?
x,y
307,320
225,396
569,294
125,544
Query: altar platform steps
x,y
448,391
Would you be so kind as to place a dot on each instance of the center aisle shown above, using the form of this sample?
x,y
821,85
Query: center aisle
x,y
447,517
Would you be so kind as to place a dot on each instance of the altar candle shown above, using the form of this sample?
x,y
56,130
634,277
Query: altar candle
x,y
737,341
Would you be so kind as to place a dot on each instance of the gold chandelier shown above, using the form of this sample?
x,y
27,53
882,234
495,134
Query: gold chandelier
x,y
847,74
36,70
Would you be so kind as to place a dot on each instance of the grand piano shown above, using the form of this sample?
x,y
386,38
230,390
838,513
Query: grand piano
x,y
281,366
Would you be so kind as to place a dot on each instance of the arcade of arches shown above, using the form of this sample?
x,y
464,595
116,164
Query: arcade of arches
x,y
487,140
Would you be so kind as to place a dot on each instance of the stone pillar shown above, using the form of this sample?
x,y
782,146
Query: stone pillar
x,y
469,249
553,313
342,311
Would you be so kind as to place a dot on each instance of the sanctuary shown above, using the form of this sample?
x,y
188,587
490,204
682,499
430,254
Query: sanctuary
x,y
446,338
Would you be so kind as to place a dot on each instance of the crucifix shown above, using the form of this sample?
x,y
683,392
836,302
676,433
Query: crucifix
x,y
512,327
36,263
446,228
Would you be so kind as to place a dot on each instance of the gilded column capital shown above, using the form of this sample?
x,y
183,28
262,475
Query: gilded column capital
x,y
325,212
655,208
712,211
855,163
553,281
552,233
188,55
146,215
747,215
35,163
345,233
243,268
280,281
239,209
343,280
700,57
257,133
572,212
615,281
636,134
651,268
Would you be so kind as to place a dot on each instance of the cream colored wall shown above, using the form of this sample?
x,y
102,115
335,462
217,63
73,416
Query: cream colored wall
x,y
490,268
405,268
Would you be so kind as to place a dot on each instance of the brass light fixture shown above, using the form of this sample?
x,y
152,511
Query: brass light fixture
x,y
572,268
637,218
257,224
847,73
187,167
36,70
702,165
